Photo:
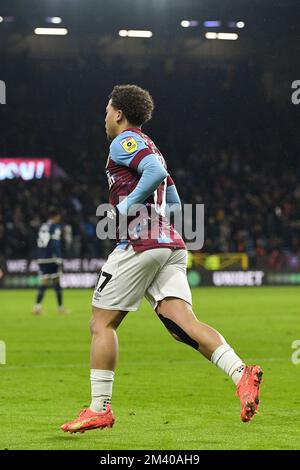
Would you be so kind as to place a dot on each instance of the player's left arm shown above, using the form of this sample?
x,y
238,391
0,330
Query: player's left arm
x,y
172,197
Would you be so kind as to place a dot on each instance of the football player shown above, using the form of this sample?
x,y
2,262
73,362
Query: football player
x,y
50,261
153,266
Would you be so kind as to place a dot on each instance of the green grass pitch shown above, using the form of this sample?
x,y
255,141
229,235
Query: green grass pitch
x,y
166,395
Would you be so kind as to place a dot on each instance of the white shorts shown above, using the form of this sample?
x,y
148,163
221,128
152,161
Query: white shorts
x,y
128,276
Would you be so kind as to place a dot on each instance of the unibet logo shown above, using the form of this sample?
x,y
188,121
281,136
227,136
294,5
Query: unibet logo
x,y
26,170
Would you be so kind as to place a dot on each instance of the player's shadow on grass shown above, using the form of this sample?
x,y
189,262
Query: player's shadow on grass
x,y
67,437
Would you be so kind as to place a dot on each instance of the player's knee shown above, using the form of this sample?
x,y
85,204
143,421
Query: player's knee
x,y
96,328
101,322
97,325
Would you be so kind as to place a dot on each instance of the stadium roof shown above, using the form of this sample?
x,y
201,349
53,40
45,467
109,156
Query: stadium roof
x,y
271,28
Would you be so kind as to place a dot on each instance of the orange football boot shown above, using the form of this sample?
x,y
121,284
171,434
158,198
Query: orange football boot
x,y
89,419
248,391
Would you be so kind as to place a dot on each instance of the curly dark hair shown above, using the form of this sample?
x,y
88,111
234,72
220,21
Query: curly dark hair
x,y
135,102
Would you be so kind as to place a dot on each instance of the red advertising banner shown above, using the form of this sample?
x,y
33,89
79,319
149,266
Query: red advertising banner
x,y
25,168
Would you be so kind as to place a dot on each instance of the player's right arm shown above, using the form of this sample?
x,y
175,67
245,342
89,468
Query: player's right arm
x,y
139,157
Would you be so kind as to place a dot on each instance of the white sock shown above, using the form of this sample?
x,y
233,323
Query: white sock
x,y
237,374
225,358
101,386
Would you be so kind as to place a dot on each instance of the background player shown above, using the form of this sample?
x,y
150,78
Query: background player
x,y
50,261
154,267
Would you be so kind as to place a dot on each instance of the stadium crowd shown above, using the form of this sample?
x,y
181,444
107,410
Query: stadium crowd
x,y
245,211
243,166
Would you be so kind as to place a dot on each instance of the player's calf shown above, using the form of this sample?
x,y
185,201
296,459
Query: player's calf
x,y
178,333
